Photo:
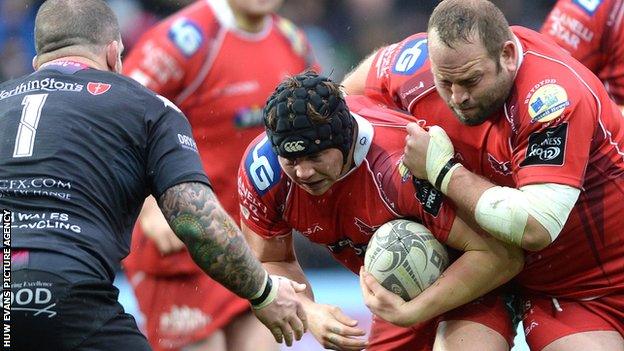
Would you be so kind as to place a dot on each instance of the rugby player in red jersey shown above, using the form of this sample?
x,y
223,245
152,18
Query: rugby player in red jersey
x,y
217,60
592,31
540,142
332,170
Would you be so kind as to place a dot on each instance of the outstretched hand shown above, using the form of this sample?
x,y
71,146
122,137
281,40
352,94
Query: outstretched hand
x,y
333,329
285,316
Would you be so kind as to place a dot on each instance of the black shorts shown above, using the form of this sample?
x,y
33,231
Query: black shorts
x,y
49,313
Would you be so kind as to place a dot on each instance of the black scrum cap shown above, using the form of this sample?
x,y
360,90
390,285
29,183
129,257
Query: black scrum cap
x,y
296,134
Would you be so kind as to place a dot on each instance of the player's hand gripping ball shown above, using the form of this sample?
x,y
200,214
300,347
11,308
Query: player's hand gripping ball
x,y
405,257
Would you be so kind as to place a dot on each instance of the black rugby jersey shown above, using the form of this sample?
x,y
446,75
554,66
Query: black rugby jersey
x,y
80,149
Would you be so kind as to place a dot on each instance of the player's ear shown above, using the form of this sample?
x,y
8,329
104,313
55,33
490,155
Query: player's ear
x,y
508,56
34,63
113,56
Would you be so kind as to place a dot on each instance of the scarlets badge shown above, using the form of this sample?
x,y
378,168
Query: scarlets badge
x,y
547,103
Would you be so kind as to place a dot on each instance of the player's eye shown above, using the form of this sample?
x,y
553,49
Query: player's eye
x,y
472,81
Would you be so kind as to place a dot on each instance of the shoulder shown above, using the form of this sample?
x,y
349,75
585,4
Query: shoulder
x,y
130,95
578,25
261,166
405,68
190,30
406,57
130,89
550,82
295,37
582,8
409,55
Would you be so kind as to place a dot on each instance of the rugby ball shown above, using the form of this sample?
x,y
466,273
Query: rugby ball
x,y
405,257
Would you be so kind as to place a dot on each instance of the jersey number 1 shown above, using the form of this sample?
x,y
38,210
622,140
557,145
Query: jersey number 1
x,y
27,130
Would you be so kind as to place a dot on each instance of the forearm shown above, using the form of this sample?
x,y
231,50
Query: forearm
x,y
213,240
472,275
465,188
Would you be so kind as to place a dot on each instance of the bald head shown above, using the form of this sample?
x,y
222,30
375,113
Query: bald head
x,y
66,25
465,21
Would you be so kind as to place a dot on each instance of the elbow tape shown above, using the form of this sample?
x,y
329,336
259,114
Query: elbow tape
x,y
501,212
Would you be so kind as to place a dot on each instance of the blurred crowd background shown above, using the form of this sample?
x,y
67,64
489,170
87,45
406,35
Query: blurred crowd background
x,y
342,32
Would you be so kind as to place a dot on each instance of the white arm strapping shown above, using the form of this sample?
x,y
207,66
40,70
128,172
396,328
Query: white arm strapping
x,y
503,211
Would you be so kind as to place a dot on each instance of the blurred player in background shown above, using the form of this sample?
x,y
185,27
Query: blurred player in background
x,y
81,148
336,176
524,115
593,32
218,60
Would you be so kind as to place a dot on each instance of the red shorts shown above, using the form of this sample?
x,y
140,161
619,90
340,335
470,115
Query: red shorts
x,y
488,310
145,257
182,310
546,320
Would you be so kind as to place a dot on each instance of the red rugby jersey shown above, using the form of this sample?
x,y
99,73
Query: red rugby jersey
x,y
593,32
558,126
220,77
343,219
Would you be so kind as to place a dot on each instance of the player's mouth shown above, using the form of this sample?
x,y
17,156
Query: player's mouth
x,y
314,186
465,109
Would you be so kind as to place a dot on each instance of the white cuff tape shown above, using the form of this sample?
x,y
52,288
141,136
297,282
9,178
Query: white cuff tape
x,y
439,152
272,294
447,178
264,281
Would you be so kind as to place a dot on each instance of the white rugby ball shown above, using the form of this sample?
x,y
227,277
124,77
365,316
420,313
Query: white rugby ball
x,y
405,257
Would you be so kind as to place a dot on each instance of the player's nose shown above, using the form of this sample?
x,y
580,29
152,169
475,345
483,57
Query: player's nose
x,y
459,95
304,170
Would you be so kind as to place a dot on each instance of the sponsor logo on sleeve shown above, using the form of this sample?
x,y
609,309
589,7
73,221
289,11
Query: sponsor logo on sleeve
x,y
547,147
158,65
97,88
262,167
186,35
187,142
412,57
589,6
428,196
547,103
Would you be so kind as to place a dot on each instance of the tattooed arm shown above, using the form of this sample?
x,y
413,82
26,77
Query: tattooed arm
x,y
212,238
218,247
